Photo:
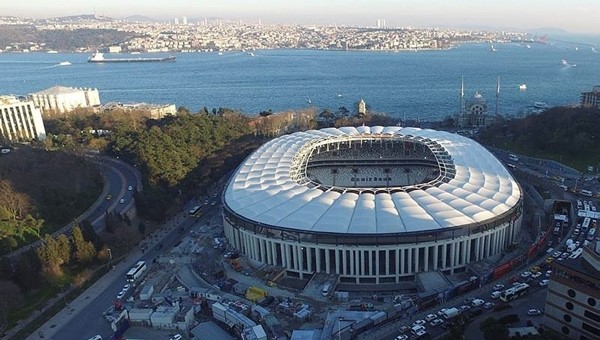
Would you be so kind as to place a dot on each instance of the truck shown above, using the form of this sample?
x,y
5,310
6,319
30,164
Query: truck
x,y
451,312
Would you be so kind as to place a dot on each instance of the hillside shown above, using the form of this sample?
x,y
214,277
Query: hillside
x,y
568,135
41,191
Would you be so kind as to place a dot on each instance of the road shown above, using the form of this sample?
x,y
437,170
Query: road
x,y
98,298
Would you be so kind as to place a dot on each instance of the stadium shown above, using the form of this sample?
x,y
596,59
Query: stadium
x,y
373,205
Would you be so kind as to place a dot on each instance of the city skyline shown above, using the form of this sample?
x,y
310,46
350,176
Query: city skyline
x,y
575,16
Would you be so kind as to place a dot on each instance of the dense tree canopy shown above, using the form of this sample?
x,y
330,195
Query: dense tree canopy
x,y
562,133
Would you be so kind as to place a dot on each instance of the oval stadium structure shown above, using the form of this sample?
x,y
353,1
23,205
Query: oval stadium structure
x,y
374,205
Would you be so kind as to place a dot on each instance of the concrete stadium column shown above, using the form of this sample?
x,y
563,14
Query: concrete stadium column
x,y
318,258
327,261
263,251
468,255
344,262
435,256
417,264
402,253
357,262
352,271
409,260
452,254
444,255
274,252
256,248
465,251
337,262
481,246
309,266
371,262
387,262
377,273
362,262
270,252
487,246
300,259
397,254
426,259
288,260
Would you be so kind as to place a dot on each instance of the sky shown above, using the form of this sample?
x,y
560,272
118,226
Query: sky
x,y
576,16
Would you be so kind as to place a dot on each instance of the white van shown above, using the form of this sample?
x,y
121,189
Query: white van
x,y
325,291
495,294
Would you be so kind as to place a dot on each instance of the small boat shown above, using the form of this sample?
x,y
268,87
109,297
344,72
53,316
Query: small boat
x,y
528,46
64,63
135,52
522,87
492,48
52,51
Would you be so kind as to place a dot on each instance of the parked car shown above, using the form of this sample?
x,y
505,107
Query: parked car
x,y
488,305
464,308
498,286
418,323
525,274
544,282
402,337
436,322
430,317
548,273
534,312
120,295
536,275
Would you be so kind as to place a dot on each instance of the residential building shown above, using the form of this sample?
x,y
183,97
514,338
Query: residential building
x,y
591,98
20,119
573,300
61,99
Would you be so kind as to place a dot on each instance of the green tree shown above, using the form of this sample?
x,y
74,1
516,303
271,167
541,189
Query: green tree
x,y
64,248
85,252
50,254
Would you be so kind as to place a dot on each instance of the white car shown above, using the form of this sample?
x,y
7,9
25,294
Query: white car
x,y
499,286
430,317
534,312
442,312
402,337
536,275
544,282
126,287
130,188
548,273
436,322
176,337
525,274
120,295
122,200
418,323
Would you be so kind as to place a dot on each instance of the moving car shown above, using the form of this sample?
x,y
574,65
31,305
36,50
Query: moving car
x,y
130,188
122,200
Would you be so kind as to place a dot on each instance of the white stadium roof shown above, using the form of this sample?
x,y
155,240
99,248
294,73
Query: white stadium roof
x,y
262,189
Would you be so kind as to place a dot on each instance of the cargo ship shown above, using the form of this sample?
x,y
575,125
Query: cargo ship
x,y
99,58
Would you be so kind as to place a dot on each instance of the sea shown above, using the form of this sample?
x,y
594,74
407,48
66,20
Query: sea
x,y
411,85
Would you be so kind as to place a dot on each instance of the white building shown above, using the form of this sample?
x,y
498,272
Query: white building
x,y
20,120
330,201
63,99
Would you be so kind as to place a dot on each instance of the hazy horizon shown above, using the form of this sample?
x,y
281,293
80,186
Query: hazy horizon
x,y
577,16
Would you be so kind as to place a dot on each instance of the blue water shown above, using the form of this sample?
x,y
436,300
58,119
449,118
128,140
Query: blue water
x,y
423,84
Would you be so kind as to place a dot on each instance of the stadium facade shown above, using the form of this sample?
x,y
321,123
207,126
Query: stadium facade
x,y
374,205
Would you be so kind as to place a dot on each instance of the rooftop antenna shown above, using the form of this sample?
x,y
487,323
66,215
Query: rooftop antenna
x,y
497,93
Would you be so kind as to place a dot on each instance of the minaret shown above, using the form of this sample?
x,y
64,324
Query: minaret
x,y
497,93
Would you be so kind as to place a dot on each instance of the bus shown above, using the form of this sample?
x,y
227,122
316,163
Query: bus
x,y
137,271
586,193
195,211
586,224
513,293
